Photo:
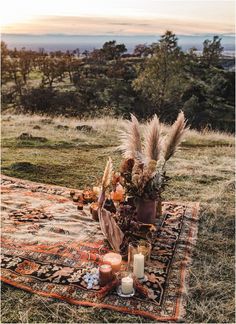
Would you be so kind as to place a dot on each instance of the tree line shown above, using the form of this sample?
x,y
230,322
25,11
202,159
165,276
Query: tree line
x,y
157,78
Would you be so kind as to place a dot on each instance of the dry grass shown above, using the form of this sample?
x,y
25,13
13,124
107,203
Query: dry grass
x,y
202,170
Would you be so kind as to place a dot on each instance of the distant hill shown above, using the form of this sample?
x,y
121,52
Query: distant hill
x,y
52,42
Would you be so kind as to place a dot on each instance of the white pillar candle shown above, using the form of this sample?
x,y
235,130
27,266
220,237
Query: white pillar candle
x,y
139,265
127,285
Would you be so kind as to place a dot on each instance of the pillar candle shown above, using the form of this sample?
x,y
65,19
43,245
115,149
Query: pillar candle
x,y
139,265
127,285
105,274
114,259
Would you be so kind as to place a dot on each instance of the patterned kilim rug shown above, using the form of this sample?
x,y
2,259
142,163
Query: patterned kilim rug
x,y
48,245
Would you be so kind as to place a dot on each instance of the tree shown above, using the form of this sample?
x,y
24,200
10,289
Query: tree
x,y
52,68
142,50
212,51
4,63
26,63
113,51
162,79
71,63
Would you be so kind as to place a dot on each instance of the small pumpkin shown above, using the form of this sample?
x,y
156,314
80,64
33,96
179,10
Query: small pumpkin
x,y
89,196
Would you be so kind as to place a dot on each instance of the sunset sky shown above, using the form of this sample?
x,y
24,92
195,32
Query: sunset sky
x,y
118,17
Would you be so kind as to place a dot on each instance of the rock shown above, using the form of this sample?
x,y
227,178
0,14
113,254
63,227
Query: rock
x,y
23,166
47,121
27,137
84,128
7,118
36,127
62,127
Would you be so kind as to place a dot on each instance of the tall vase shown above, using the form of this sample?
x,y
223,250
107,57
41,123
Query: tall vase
x,y
159,208
146,210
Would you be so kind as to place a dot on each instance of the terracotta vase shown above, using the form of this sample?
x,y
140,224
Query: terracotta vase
x,y
146,210
159,208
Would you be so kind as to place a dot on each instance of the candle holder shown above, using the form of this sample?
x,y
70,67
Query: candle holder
x,y
132,250
143,280
114,259
137,247
126,285
145,248
105,274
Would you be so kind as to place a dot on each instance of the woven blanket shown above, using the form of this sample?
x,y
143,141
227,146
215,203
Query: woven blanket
x,y
48,246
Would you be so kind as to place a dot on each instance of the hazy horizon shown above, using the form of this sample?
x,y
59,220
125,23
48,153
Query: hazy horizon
x,y
68,24
52,42
123,17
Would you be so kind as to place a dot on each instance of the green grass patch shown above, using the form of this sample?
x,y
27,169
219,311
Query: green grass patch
x,y
203,170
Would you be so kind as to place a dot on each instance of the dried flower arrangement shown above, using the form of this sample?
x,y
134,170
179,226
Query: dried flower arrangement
x,y
142,173
143,168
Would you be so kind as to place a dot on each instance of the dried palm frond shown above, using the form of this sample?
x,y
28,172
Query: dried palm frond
x,y
106,179
152,142
174,138
131,144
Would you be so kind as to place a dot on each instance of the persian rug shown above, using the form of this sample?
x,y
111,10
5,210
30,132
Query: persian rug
x,y
48,246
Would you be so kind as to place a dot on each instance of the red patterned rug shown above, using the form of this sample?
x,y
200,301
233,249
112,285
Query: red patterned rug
x,y
48,246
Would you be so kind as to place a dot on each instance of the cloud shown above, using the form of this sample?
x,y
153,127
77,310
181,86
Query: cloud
x,y
131,26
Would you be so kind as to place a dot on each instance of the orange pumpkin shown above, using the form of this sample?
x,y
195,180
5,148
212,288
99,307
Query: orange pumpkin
x,y
118,195
89,196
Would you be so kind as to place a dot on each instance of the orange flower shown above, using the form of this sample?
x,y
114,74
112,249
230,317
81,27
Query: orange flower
x,y
27,267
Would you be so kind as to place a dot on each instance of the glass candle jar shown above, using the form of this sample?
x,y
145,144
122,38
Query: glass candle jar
x,y
145,248
132,250
105,274
127,283
138,247
114,259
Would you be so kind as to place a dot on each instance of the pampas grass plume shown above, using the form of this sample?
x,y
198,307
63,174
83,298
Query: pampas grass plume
x,y
131,144
175,136
152,142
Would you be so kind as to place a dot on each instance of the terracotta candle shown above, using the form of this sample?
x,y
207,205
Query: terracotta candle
x,y
139,265
114,259
94,211
127,285
105,274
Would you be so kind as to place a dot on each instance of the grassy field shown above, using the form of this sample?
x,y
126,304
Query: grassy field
x,y
202,170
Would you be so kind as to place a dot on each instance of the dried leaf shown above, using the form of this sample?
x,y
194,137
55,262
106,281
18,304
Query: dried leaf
x,y
110,229
107,175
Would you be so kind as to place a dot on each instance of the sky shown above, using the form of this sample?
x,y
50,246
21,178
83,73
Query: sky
x,y
117,17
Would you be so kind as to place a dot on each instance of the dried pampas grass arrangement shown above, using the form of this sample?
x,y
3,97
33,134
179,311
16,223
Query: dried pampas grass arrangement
x,y
145,176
